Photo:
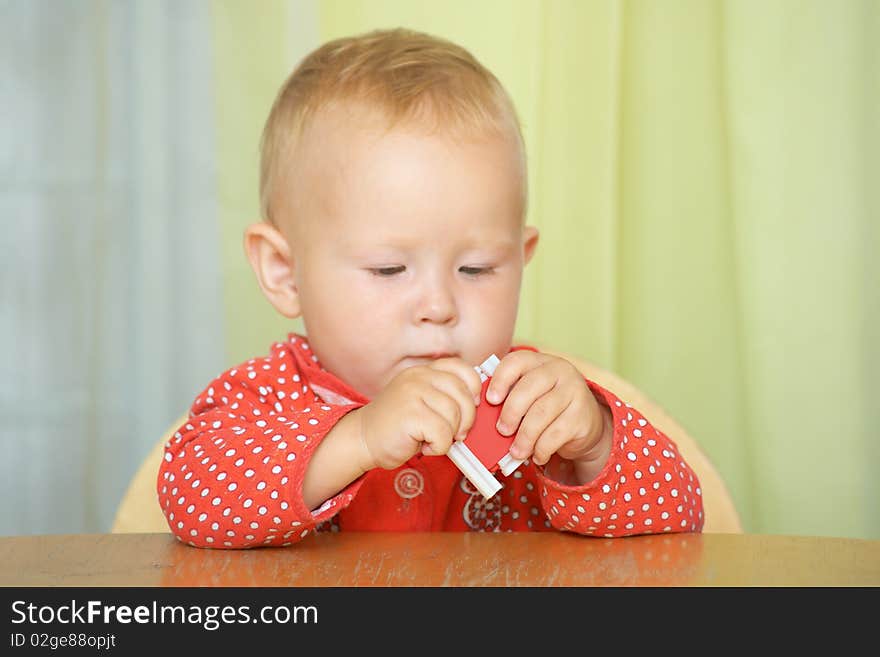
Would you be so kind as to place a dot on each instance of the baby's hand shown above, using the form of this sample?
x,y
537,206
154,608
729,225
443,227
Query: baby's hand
x,y
423,409
548,399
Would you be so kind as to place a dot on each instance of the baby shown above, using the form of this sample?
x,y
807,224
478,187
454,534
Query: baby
x,y
393,190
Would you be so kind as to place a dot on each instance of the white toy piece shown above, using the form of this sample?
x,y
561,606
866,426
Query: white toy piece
x,y
466,461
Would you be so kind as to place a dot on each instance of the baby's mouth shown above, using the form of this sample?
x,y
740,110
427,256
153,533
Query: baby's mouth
x,y
435,355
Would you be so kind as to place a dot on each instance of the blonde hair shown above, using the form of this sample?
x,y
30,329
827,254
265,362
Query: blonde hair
x,y
407,76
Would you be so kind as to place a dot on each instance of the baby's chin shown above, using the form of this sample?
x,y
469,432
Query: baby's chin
x,y
377,383
370,386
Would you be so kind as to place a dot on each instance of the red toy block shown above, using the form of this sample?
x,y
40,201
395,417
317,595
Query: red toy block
x,y
484,450
483,439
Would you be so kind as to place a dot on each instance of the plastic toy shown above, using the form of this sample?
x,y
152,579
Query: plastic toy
x,y
484,450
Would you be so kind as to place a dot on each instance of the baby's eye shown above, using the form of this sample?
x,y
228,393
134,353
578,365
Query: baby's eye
x,y
476,271
387,271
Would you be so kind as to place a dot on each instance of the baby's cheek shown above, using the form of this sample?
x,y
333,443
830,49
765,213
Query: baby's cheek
x,y
487,335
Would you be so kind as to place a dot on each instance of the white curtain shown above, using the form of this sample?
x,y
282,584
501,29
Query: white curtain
x,y
110,281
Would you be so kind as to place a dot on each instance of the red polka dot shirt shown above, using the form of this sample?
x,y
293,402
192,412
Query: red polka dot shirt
x,y
232,474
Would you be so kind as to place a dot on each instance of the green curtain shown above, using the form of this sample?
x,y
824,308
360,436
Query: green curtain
x,y
704,175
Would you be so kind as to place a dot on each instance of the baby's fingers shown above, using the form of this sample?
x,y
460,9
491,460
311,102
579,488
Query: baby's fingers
x,y
467,374
538,419
511,368
432,427
531,388
458,393
561,432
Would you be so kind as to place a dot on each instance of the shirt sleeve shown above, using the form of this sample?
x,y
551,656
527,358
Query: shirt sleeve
x,y
232,475
645,487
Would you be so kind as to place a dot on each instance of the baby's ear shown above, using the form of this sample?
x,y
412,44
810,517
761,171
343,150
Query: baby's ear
x,y
530,242
272,262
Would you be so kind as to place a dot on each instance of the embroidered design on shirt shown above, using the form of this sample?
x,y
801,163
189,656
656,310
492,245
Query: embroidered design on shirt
x,y
480,514
409,483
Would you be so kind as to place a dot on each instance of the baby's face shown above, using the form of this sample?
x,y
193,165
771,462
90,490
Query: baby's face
x,y
407,247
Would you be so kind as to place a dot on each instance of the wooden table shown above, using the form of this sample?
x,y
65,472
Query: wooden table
x,y
444,559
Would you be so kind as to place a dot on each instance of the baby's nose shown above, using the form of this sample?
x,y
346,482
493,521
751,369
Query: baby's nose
x,y
437,305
